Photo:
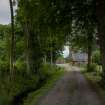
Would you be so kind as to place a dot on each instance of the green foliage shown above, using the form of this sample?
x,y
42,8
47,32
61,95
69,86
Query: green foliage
x,y
48,70
92,68
20,65
34,97
11,88
96,57
95,81
22,82
4,66
42,29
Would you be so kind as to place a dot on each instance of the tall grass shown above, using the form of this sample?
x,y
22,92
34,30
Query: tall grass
x,y
10,89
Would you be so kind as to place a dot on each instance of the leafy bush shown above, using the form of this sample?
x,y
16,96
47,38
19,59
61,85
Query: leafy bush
x,y
92,68
47,70
4,66
4,69
22,82
20,65
34,97
96,57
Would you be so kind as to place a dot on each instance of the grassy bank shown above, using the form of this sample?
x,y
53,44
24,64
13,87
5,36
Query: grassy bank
x,y
34,97
13,92
95,81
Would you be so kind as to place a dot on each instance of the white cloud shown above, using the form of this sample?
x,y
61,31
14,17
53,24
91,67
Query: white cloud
x,y
66,51
4,12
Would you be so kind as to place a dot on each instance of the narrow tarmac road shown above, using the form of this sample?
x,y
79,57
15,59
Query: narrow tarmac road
x,y
72,89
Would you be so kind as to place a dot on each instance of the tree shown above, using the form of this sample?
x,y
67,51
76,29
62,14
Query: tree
x,y
100,15
83,40
12,49
39,27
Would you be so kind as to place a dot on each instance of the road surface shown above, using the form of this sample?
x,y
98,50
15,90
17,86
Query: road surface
x,y
71,89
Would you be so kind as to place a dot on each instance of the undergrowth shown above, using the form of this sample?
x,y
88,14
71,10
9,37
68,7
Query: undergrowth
x,y
11,90
94,79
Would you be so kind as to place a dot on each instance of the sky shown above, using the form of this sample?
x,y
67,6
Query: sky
x,y
4,12
66,51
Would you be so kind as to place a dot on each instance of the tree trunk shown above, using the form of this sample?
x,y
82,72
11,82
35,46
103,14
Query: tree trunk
x,y
70,53
32,47
32,56
89,48
100,12
12,41
45,59
51,55
89,57
51,50
27,48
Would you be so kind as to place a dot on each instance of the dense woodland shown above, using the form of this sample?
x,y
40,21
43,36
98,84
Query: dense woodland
x,y
39,30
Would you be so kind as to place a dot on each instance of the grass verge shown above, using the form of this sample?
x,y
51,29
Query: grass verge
x,y
94,80
34,97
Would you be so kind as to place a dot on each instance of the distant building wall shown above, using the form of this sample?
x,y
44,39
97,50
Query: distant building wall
x,y
79,57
